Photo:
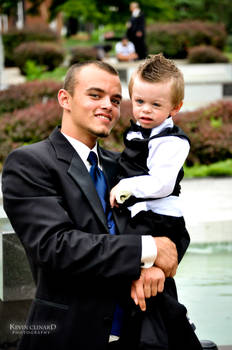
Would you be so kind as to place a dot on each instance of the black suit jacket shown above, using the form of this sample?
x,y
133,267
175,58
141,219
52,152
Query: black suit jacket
x,y
80,269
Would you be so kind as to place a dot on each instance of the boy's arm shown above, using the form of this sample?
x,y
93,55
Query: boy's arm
x,y
164,162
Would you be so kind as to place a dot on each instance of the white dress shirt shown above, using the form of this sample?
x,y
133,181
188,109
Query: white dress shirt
x,y
166,156
124,50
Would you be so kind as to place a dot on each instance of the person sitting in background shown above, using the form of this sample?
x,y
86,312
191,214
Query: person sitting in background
x,y
125,50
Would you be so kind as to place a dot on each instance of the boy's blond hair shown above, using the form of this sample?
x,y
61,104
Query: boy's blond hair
x,y
156,69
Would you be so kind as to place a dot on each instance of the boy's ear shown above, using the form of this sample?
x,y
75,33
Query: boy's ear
x,y
176,109
64,99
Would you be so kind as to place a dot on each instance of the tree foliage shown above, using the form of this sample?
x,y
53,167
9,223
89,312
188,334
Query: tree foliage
x,y
109,11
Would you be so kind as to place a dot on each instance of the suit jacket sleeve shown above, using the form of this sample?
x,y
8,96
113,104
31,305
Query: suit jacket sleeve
x,y
50,237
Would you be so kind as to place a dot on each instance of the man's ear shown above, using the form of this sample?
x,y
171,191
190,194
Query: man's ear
x,y
176,109
64,99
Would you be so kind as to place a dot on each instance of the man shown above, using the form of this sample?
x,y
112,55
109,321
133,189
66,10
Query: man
x,y
136,30
125,50
82,272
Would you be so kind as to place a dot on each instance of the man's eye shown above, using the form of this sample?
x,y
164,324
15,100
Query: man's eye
x,y
116,102
95,96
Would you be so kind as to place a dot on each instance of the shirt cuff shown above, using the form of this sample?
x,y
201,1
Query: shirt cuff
x,y
149,251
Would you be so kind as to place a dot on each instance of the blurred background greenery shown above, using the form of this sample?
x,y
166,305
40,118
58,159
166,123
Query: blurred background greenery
x,y
197,31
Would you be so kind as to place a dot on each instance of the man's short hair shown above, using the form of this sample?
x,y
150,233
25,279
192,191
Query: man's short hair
x,y
156,69
71,78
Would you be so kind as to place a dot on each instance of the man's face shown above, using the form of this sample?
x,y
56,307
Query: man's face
x,y
94,107
152,102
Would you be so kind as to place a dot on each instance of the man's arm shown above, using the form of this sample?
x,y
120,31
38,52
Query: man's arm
x,y
34,203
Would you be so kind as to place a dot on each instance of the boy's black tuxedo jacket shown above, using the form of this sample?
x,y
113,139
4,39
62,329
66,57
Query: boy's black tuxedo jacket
x,y
80,269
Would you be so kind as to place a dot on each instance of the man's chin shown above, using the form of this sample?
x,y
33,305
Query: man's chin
x,y
102,134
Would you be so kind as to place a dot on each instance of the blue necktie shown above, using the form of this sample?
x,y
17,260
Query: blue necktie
x,y
99,181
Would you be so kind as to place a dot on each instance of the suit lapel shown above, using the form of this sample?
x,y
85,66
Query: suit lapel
x,y
80,175
78,172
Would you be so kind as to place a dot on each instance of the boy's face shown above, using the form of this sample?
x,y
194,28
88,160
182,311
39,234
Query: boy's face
x,y
152,102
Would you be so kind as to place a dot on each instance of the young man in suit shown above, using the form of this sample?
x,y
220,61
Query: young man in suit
x,y
136,30
83,262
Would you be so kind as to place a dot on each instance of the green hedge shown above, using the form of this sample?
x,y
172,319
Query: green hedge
x,y
28,125
14,38
50,55
27,94
206,54
83,53
209,128
210,131
174,39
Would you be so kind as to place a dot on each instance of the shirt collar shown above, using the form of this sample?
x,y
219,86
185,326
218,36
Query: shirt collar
x,y
136,12
81,148
168,123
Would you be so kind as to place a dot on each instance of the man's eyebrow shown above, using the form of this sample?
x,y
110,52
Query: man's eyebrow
x,y
95,89
119,96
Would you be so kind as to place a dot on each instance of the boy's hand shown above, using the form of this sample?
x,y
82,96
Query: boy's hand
x,y
150,283
118,195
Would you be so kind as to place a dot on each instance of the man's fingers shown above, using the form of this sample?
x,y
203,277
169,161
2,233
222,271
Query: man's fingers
x,y
112,200
167,258
160,286
147,290
139,291
133,294
154,289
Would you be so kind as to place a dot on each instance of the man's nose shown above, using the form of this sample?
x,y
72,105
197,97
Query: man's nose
x,y
106,103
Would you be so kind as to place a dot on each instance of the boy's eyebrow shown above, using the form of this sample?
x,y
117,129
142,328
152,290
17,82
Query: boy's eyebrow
x,y
119,96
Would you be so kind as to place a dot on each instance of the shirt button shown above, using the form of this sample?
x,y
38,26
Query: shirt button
x,y
109,226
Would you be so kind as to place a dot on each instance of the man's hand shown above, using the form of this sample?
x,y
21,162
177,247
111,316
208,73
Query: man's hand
x,y
167,258
150,283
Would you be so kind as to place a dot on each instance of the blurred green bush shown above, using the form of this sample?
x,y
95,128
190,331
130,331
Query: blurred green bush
x,y
28,125
30,111
50,55
83,53
24,95
13,38
210,132
206,54
174,39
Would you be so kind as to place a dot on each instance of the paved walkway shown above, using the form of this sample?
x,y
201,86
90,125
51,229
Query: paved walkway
x,y
207,206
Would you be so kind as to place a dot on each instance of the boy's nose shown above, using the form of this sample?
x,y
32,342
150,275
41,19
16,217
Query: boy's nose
x,y
146,108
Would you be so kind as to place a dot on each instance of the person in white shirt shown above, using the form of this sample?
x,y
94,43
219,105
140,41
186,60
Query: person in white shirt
x,y
125,50
152,166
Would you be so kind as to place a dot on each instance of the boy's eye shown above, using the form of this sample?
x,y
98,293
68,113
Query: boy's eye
x,y
156,104
139,101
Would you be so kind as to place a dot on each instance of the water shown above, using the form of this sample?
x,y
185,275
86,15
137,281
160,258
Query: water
x,y
204,283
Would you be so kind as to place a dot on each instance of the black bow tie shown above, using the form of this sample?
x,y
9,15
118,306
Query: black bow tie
x,y
145,132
